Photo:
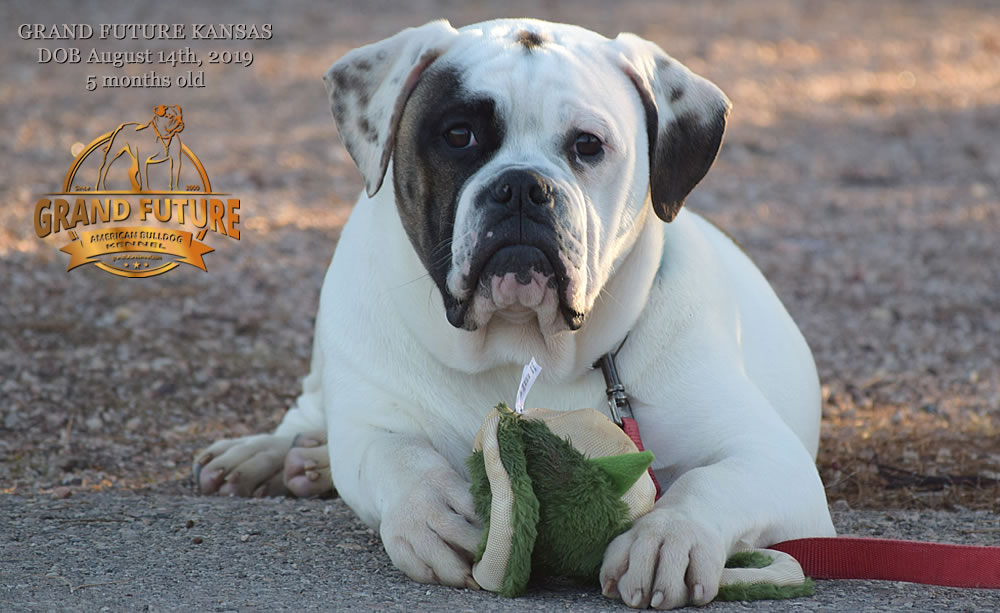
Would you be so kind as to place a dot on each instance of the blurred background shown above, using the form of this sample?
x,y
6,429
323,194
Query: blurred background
x,y
861,170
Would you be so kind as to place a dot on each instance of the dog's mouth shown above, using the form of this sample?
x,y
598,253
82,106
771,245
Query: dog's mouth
x,y
516,281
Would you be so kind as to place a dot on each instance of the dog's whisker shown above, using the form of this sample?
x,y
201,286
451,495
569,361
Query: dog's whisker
x,y
407,283
604,293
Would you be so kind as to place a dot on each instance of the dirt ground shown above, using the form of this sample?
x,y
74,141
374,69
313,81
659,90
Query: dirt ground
x,y
861,171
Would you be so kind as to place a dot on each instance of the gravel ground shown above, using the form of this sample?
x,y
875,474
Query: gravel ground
x,y
119,552
861,172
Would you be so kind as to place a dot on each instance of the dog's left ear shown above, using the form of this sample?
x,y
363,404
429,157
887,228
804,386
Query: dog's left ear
x,y
685,120
369,87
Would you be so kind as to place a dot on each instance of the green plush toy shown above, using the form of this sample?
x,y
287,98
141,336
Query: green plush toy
x,y
554,488
546,506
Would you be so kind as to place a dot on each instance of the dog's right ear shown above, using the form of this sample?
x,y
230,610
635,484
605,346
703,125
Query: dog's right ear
x,y
369,87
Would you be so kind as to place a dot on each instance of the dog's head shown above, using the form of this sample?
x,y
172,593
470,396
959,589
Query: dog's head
x,y
168,119
524,153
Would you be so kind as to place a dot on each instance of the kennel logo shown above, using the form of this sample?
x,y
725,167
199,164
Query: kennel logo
x,y
138,172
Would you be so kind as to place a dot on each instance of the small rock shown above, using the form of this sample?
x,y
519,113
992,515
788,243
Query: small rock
x,y
61,492
161,363
94,423
70,463
197,540
165,388
979,190
881,314
122,314
128,534
840,506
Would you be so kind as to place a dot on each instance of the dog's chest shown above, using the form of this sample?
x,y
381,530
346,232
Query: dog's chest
x,y
459,411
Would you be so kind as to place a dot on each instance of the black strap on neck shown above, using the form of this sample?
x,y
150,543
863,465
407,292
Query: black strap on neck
x,y
618,402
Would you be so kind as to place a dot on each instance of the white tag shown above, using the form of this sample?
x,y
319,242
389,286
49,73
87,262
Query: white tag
x,y
528,376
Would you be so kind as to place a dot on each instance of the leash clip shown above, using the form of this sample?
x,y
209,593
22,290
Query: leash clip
x,y
621,408
618,403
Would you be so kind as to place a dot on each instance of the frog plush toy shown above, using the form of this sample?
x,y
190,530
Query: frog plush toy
x,y
553,488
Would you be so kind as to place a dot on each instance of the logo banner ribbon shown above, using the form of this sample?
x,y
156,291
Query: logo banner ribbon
x,y
136,239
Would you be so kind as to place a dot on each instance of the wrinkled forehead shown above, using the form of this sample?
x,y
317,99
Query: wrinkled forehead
x,y
534,63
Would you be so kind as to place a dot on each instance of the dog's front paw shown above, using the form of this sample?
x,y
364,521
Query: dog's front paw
x,y
265,465
246,466
663,562
307,466
432,533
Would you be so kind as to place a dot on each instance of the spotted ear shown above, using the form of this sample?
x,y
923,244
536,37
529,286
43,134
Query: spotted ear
x,y
685,120
368,89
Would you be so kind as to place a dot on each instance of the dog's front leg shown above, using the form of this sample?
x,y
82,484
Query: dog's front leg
x,y
755,484
420,505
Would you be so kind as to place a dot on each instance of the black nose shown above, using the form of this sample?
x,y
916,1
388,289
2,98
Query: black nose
x,y
518,188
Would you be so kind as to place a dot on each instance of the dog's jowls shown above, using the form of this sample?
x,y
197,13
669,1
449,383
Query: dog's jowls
x,y
524,191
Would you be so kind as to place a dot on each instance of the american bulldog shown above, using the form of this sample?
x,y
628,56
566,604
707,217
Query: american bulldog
x,y
524,184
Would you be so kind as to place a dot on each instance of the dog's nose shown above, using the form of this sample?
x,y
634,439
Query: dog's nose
x,y
518,188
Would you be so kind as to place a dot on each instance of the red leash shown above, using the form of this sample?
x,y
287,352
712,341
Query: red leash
x,y
621,409
892,560
848,557
631,428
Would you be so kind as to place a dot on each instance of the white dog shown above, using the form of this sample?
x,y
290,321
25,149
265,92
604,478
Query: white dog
x,y
537,173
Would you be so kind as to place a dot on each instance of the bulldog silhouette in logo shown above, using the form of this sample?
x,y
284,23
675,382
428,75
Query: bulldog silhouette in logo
x,y
153,142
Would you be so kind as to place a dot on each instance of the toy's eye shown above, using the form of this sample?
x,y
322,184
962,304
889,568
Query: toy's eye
x,y
460,137
588,145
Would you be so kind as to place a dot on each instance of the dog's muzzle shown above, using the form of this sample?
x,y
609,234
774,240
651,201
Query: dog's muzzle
x,y
517,257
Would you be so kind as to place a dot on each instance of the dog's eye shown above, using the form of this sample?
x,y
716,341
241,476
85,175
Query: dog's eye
x,y
587,144
460,137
